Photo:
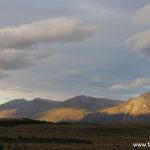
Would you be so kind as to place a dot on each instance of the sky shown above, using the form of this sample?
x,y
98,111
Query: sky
x,y
60,49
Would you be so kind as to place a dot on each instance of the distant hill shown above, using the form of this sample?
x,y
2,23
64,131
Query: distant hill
x,y
133,110
21,108
76,108
35,107
16,103
72,109
89,103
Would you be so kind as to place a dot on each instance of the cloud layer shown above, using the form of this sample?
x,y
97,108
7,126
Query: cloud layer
x,y
138,83
49,54
14,39
142,16
16,89
46,31
141,42
11,59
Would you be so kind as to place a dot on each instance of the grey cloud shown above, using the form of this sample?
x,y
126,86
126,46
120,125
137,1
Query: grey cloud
x,y
142,15
69,71
16,89
127,5
138,83
52,30
41,54
11,59
3,75
141,42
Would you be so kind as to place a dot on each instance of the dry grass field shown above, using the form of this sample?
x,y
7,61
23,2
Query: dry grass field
x,y
28,135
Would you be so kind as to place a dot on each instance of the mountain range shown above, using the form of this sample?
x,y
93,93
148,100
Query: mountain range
x,y
72,109
133,110
80,108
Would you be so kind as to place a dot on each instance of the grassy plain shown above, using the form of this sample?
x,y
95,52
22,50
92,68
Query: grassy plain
x,y
28,135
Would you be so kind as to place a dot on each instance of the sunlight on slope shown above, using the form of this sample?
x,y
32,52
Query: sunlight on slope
x,y
60,114
136,106
7,113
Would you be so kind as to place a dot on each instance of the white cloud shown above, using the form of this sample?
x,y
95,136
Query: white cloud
x,y
12,39
138,83
143,15
141,42
45,31
16,89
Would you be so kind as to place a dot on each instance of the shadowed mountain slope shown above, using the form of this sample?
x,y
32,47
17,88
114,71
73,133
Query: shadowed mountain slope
x,y
72,109
35,107
21,108
16,103
89,103
76,108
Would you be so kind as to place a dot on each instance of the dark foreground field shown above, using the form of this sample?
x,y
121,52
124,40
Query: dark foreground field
x,y
28,135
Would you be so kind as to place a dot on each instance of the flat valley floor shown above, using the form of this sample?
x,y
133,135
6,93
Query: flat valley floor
x,y
75,136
